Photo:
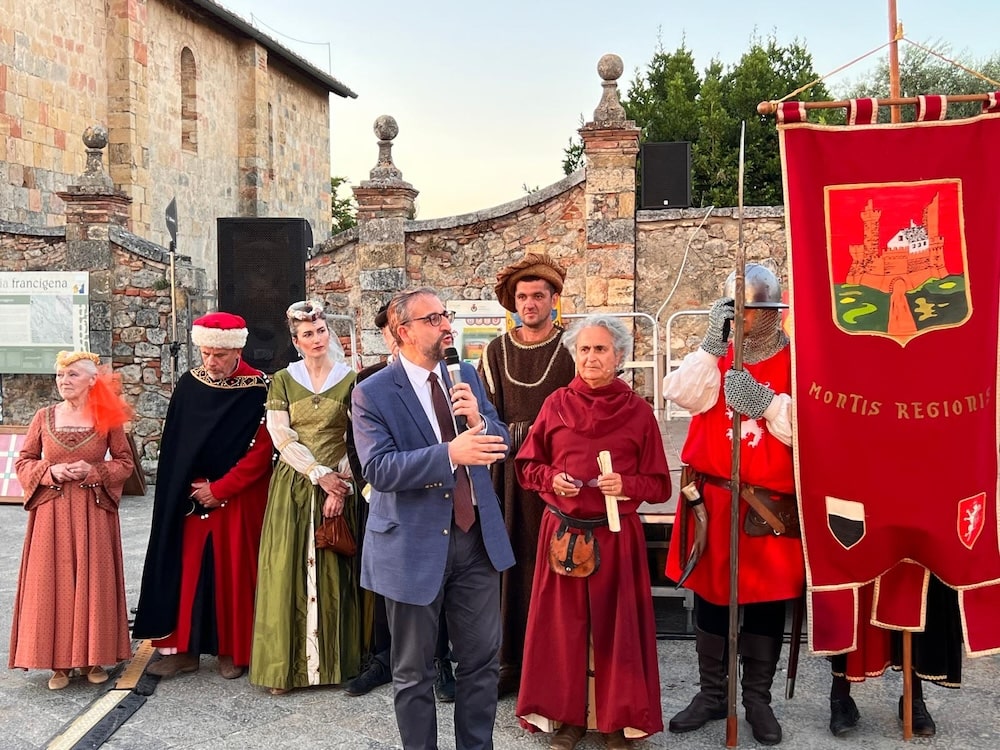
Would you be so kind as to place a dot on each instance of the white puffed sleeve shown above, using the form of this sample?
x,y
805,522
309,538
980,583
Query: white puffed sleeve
x,y
293,453
695,384
778,415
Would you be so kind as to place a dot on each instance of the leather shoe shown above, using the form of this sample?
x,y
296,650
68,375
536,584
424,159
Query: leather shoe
x,y
169,666
616,740
59,679
444,683
374,675
228,670
923,724
95,674
567,737
844,715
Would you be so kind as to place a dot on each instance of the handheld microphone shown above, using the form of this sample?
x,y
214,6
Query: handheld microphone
x,y
453,364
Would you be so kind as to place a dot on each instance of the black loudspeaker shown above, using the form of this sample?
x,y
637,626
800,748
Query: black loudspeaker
x,y
666,174
262,270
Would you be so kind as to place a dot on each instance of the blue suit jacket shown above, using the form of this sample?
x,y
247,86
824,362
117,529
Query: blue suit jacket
x,y
409,521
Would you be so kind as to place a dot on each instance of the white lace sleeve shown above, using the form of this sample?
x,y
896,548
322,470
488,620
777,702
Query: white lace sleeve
x,y
293,453
779,417
695,384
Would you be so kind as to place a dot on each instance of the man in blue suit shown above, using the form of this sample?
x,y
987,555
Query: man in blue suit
x,y
425,550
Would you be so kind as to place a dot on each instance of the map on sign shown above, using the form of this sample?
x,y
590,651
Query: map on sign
x,y
41,313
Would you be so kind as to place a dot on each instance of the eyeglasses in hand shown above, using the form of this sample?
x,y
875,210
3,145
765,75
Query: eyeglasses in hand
x,y
577,482
434,319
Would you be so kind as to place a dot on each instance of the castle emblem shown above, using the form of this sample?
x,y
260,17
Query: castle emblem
x,y
906,276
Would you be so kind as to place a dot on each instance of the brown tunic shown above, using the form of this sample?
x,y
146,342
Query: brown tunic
x,y
518,379
70,606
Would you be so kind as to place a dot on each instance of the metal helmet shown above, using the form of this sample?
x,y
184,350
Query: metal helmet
x,y
760,286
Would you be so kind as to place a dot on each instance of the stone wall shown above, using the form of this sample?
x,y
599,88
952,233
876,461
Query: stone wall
x,y
698,245
53,84
263,127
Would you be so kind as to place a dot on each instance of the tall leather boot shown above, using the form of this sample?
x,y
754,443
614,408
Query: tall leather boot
x,y
760,660
710,702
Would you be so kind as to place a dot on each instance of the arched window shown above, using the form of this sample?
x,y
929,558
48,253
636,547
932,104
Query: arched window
x,y
189,102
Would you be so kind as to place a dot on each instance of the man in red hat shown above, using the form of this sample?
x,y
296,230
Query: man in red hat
x,y
198,582
520,369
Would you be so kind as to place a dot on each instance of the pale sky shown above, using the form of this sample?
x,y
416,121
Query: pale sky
x,y
487,96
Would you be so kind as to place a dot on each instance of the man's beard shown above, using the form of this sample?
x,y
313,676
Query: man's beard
x,y
435,351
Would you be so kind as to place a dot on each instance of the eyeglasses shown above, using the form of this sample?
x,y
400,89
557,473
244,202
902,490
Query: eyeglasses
x,y
434,319
577,482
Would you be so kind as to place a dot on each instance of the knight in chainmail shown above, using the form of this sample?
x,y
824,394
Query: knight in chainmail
x,y
520,369
770,565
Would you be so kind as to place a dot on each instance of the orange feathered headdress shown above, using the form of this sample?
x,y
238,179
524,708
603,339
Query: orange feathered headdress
x,y
104,402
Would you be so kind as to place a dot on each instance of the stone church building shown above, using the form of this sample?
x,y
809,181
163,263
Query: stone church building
x,y
198,104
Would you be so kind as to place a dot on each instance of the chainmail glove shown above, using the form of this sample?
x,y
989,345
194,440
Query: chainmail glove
x,y
745,395
716,338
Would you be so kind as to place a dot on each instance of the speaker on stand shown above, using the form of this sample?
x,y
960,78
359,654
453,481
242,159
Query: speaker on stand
x,y
262,270
666,174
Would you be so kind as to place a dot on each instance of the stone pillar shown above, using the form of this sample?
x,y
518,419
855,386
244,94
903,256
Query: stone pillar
x,y
254,167
385,203
128,106
93,206
610,145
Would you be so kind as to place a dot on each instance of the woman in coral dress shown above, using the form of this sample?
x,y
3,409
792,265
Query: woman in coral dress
x,y
70,610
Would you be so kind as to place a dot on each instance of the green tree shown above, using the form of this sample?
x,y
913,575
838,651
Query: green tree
x,y
670,101
714,163
342,209
922,73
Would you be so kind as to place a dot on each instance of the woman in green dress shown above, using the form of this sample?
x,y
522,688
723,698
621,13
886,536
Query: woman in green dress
x,y
307,615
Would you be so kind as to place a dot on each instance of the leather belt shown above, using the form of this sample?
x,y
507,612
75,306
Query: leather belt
x,y
747,493
578,523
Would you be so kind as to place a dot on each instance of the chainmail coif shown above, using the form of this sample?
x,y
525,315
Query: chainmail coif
x,y
766,338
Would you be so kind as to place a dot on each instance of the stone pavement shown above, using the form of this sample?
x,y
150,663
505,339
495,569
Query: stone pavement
x,y
202,711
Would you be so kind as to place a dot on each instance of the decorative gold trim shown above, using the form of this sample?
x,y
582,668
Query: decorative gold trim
x,y
239,381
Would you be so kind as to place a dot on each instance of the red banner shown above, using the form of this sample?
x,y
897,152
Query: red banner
x,y
894,246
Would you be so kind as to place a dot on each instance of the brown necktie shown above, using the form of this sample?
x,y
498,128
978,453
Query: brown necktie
x,y
465,515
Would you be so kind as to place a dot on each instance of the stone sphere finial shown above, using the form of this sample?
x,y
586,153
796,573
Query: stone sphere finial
x,y
95,136
386,128
610,67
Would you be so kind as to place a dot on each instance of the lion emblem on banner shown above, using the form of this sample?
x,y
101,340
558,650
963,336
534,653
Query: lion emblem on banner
x,y
897,258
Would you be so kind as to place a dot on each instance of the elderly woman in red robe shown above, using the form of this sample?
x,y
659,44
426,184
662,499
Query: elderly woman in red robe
x,y
591,611
69,612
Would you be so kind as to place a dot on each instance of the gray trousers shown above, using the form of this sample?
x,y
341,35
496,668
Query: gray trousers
x,y
469,599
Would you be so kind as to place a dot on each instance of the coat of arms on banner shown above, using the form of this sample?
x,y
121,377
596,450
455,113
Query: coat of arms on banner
x,y
897,258
971,517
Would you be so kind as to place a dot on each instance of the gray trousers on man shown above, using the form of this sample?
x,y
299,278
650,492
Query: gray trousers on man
x,y
470,600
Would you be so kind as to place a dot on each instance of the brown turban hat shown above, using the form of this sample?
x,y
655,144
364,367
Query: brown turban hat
x,y
532,265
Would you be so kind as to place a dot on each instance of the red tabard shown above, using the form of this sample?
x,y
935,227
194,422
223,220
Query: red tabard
x,y
770,567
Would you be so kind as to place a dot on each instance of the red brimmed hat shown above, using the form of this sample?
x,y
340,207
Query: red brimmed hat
x,y
219,330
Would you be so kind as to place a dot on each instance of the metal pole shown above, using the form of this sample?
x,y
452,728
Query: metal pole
x,y
732,723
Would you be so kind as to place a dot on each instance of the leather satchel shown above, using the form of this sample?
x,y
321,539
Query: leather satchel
x,y
770,513
574,553
335,535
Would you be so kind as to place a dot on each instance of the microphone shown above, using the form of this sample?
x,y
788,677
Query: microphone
x,y
453,364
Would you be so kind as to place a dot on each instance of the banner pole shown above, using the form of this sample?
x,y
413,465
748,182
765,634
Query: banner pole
x,y
893,61
732,723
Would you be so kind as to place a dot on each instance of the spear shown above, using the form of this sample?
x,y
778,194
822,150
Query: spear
x,y
170,217
732,734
